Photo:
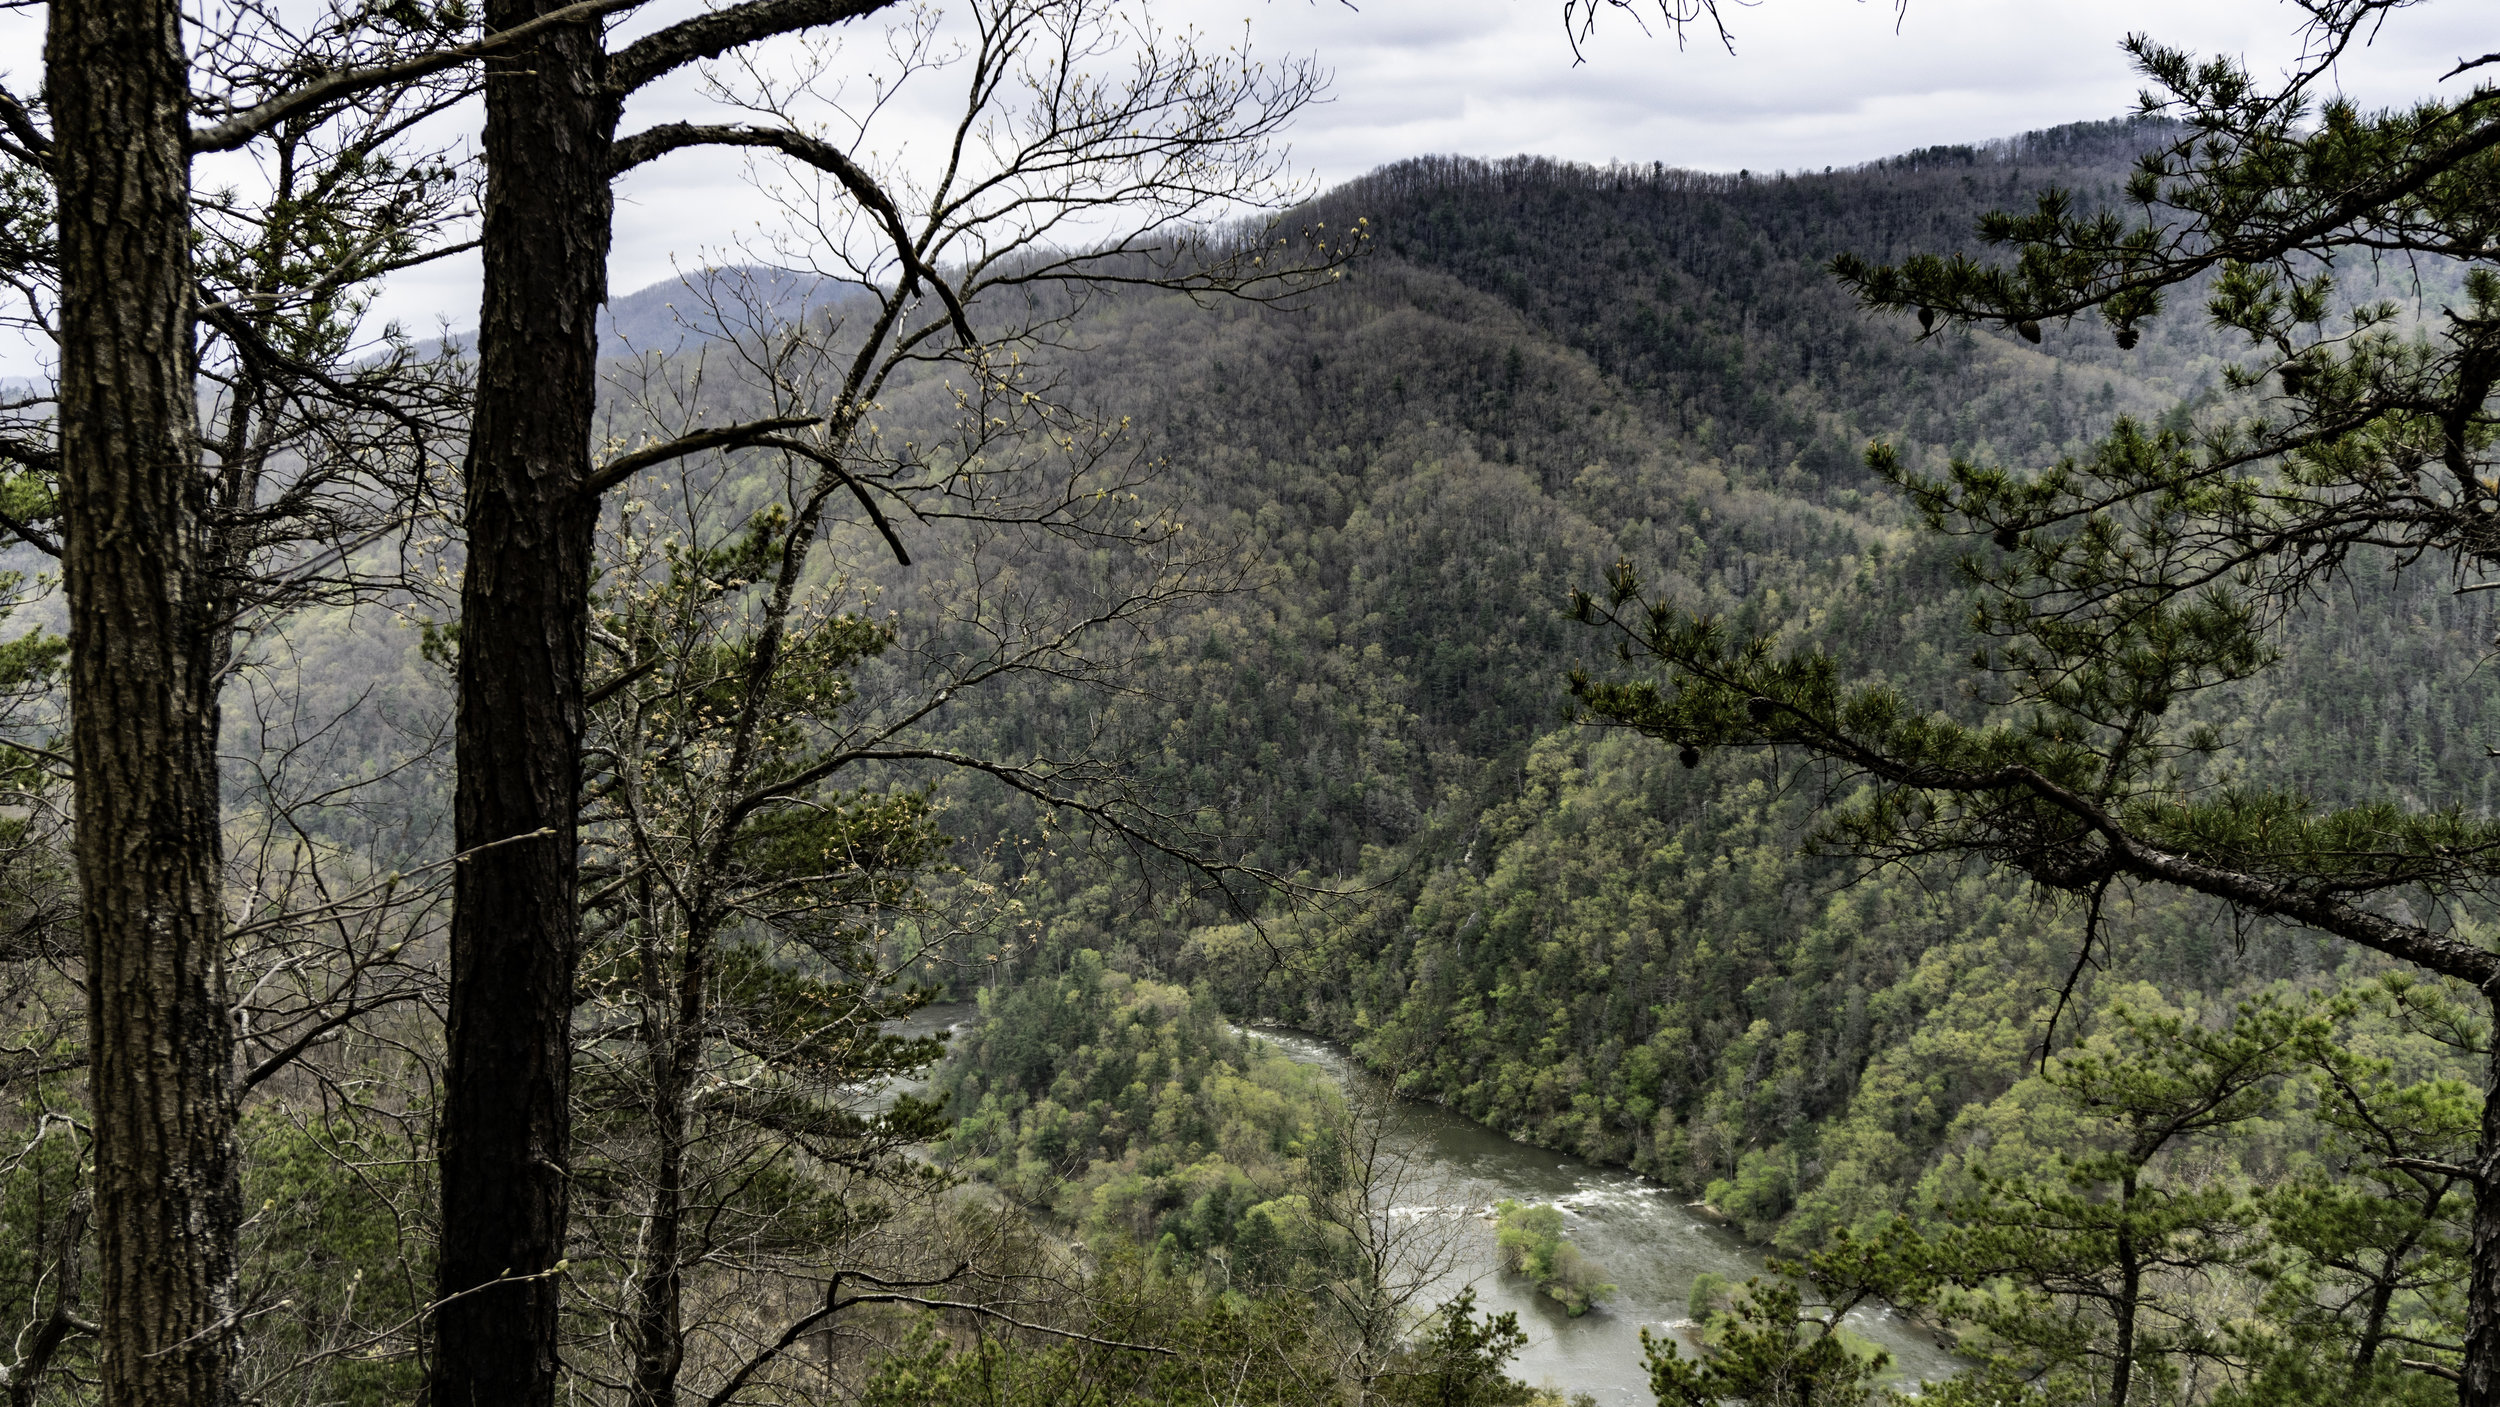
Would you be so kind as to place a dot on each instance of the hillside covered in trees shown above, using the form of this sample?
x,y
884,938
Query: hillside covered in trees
x,y
1562,931
1314,767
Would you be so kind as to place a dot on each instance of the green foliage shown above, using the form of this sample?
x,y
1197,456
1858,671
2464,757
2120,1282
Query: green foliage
x,y
340,1277
1540,366
1711,1293
1129,1107
2240,187
1150,1338
1761,1193
1573,936
2247,1209
1765,1351
2167,563
46,1244
2153,655
2367,1248
2093,1272
1213,1179
743,893
1532,1245
1457,1361
1582,941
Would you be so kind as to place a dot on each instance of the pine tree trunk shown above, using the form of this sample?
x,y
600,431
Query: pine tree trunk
x,y
2478,1382
506,1127
2373,1327
143,699
2130,1296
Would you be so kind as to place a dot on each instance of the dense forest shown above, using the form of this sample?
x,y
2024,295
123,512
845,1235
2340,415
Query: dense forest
x,y
1566,933
1205,650
1576,936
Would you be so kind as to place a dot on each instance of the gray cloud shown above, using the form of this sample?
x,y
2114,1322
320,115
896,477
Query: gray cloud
x,y
1812,83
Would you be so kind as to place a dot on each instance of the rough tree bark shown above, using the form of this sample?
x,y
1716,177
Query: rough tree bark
x,y
143,700
551,113
2130,1299
2478,1383
524,606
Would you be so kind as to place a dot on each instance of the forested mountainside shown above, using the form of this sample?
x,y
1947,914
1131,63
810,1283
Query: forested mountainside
x,y
1424,465
1564,933
1536,370
1087,775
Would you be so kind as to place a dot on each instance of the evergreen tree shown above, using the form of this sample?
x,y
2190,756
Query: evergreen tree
x,y
2083,1279
1457,1361
1768,1352
2365,1252
2118,594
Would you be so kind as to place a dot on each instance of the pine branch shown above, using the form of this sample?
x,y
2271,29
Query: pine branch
x,y
710,36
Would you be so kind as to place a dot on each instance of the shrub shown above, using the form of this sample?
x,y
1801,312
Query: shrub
x,y
1533,1245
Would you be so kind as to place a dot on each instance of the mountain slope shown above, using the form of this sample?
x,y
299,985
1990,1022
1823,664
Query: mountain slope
x,y
1568,935
1541,369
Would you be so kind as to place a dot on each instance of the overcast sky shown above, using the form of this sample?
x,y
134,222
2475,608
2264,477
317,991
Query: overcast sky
x,y
1812,83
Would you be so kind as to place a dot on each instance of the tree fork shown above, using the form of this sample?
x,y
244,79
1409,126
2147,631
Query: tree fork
x,y
143,700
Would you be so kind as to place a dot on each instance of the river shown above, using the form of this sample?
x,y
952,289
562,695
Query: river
x,y
1651,1244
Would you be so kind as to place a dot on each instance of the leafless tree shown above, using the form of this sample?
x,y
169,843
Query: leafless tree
x,y
1388,1210
757,726
1074,114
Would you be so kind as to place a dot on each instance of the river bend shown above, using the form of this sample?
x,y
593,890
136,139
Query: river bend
x,y
1651,1244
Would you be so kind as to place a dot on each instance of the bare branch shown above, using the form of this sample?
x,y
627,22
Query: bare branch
x,y
618,470
330,87
824,156
710,36
2467,66
832,464
287,1054
1580,19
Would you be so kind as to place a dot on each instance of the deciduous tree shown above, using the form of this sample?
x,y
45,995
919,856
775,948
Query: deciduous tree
x,y
1069,172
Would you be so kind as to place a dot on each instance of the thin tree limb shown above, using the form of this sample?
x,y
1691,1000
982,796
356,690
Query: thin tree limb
x,y
658,141
618,470
330,87
286,1055
831,463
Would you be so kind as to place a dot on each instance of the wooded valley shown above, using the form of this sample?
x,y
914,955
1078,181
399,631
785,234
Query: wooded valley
x,y
1957,744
